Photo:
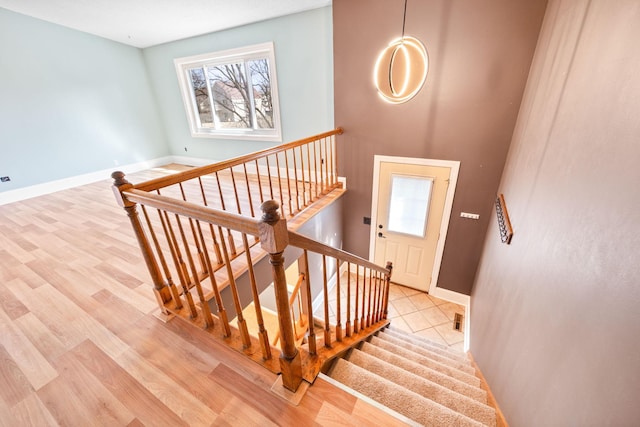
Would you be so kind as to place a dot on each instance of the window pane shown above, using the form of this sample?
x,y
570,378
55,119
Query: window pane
x,y
201,95
409,204
261,82
230,96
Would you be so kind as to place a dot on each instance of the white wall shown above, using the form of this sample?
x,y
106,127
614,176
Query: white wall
x,y
70,103
304,65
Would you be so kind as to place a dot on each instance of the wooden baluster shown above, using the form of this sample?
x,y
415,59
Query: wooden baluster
x,y
315,166
338,306
325,181
379,296
160,289
262,332
295,177
235,191
246,180
327,327
332,161
269,177
165,267
259,182
280,183
303,265
216,246
204,306
295,173
356,323
370,297
193,231
363,318
274,238
230,241
306,196
348,320
387,284
222,312
310,198
242,324
186,277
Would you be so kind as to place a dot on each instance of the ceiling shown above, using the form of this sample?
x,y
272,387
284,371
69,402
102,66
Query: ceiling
x,y
144,23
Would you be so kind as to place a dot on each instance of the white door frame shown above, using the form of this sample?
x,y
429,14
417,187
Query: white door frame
x,y
446,214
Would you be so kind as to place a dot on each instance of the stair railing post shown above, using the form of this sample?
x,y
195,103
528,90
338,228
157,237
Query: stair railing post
x,y
274,238
161,290
387,280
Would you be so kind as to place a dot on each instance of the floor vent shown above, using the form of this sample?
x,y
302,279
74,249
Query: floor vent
x,y
457,322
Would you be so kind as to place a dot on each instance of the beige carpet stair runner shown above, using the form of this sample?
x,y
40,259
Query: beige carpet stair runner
x,y
417,378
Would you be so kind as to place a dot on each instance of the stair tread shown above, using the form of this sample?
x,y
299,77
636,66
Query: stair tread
x,y
428,344
426,361
444,380
451,399
396,397
399,331
464,366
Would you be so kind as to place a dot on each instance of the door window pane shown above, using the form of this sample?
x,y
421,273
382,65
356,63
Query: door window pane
x,y
409,204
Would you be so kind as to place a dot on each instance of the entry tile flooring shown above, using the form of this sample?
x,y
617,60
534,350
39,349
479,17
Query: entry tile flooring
x,y
421,314
417,313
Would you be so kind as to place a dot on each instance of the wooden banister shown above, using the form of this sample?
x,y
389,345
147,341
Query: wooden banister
x,y
192,221
157,183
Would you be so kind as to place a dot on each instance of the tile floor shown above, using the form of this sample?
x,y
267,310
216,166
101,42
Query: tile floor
x,y
423,315
416,312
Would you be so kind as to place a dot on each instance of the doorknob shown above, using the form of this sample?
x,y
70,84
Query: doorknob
x,y
382,235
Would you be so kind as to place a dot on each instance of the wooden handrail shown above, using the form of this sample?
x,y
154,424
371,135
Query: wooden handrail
x,y
157,183
311,245
222,218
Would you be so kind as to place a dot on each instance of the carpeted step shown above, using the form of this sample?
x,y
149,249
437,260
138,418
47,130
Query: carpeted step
x,y
427,344
464,366
426,361
422,386
399,331
432,375
398,398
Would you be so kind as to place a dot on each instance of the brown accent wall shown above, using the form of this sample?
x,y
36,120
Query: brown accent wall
x,y
480,52
555,316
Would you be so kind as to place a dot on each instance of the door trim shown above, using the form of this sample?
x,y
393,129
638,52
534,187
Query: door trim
x,y
446,214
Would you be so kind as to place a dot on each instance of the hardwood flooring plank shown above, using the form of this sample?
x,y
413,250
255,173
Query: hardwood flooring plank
x,y
11,305
114,313
15,386
40,335
273,407
32,412
181,402
133,395
237,413
119,275
26,356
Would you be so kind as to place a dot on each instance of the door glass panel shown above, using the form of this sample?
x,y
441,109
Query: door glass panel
x,y
409,204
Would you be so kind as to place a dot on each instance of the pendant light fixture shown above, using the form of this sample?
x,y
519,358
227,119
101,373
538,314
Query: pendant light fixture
x,y
401,68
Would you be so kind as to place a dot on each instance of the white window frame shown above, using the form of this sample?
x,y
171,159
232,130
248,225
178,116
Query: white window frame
x,y
258,51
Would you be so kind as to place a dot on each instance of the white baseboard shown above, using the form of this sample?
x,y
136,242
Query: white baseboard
x,y
88,178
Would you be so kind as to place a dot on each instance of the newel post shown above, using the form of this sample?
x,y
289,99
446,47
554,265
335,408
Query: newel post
x,y
274,238
161,290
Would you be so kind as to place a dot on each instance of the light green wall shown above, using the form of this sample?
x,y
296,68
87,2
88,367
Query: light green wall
x,y
70,103
304,64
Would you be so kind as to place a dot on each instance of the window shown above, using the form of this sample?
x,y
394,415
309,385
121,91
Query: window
x,y
409,204
231,94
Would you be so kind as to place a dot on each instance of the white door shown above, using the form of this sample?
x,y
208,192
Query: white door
x,y
411,207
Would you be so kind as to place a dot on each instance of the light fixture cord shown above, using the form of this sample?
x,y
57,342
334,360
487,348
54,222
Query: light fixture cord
x,y
404,19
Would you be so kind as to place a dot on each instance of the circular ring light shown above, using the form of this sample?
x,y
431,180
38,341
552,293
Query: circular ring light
x,y
401,70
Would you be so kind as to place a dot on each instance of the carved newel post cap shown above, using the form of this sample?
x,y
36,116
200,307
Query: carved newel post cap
x,y
118,178
270,211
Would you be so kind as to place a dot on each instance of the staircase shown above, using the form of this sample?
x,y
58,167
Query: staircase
x,y
419,379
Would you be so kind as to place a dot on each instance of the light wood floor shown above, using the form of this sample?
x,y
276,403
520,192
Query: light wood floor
x,y
80,345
